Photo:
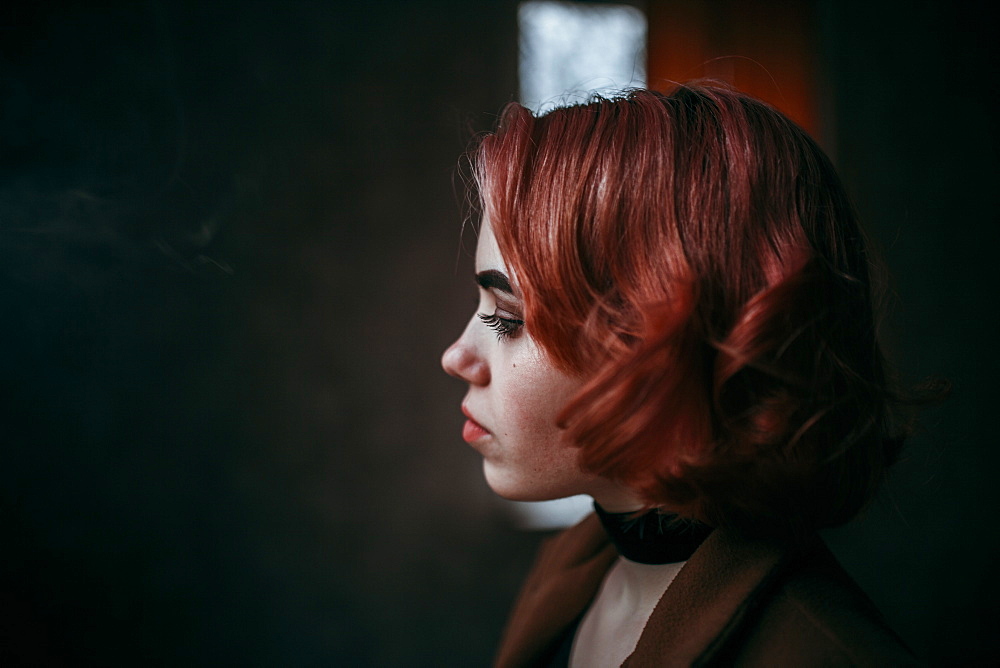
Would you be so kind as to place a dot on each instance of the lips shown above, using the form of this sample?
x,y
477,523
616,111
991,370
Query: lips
x,y
472,431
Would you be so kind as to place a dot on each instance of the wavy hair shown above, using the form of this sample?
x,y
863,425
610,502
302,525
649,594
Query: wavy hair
x,y
694,257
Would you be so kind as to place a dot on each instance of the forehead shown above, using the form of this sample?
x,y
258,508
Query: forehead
x,y
487,252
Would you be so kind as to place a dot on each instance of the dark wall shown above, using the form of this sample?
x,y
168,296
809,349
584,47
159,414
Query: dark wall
x,y
229,261
230,258
916,125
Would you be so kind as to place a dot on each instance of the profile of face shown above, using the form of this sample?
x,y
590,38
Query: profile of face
x,y
515,394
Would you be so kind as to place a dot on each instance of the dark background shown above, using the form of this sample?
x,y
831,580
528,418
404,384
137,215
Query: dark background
x,y
230,257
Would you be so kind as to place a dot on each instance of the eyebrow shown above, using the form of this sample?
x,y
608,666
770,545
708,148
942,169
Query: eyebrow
x,y
493,279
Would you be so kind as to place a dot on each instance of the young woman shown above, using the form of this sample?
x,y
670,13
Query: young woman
x,y
677,317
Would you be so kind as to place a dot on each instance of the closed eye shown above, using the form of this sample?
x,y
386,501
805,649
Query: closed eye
x,y
504,327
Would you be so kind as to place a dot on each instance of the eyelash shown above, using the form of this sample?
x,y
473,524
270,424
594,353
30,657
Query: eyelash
x,y
504,327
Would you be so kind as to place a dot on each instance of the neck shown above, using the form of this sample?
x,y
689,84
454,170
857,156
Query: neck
x,y
618,500
641,585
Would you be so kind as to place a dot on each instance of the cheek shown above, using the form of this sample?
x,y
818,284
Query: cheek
x,y
540,394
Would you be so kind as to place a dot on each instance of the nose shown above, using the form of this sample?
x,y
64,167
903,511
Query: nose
x,y
463,361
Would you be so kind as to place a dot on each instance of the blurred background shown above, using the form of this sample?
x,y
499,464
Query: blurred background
x,y
230,256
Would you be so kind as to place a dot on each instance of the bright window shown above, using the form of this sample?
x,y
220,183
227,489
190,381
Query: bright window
x,y
571,49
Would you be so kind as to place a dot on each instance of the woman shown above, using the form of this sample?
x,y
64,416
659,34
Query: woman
x,y
676,316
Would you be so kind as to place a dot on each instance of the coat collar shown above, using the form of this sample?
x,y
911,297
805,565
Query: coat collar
x,y
702,609
568,570
709,600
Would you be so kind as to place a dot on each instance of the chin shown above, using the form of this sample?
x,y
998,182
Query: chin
x,y
517,488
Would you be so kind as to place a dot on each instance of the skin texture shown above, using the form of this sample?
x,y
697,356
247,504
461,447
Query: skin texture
x,y
515,394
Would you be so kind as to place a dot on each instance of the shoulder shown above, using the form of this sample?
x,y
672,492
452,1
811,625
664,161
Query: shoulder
x,y
766,603
816,614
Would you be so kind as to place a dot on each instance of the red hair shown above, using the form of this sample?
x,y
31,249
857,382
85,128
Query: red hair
x,y
694,257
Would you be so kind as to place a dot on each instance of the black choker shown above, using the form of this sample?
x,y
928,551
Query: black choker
x,y
654,537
